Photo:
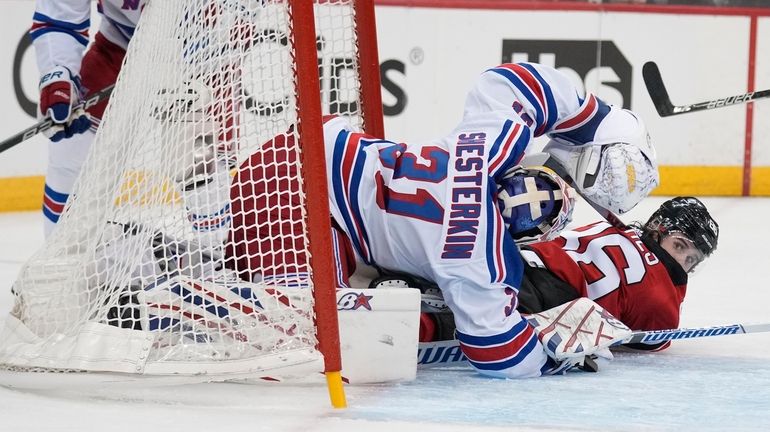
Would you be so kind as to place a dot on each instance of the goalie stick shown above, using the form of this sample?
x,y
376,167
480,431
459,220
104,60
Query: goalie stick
x,y
448,353
46,123
665,108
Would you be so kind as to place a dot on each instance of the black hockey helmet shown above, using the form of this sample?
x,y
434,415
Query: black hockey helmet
x,y
690,217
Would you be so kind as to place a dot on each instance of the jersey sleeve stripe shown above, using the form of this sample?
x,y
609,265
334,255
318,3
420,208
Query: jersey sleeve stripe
x,y
501,351
212,221
581,127
530,82
499,228
503,262
585,112
339,274
550,102
45,19
494,262
536,90
43,24
508,154
501,138
509,72
347,165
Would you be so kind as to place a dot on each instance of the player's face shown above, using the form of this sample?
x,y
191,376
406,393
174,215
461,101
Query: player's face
x,y
683,250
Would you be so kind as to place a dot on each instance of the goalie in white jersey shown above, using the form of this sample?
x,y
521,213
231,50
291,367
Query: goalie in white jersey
x,y
437,210
432,209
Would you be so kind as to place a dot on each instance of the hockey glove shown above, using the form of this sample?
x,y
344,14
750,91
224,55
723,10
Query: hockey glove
x,y
59,98
560,367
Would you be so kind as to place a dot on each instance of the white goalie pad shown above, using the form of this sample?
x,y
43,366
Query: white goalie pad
x,y
194,331
379,331
577,329
179,327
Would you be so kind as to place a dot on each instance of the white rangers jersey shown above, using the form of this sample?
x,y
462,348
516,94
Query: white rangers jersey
x,y
429,209
60,29
543,98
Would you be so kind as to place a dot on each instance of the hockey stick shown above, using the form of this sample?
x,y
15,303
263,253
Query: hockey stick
x,y
46,123
448,353
662,101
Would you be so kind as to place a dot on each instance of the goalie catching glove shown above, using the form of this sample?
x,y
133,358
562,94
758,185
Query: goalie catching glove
x,y
60,95
617,168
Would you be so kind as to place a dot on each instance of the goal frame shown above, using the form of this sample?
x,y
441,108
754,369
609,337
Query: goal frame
x,y
301,21
314,170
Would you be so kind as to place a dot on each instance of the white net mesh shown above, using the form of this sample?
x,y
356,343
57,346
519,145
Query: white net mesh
x,y
184,247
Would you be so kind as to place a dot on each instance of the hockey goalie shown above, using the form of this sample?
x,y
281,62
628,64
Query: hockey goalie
x,y
430,209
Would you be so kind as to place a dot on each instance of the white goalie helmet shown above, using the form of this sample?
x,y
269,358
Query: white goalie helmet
x,y
618,168
536,204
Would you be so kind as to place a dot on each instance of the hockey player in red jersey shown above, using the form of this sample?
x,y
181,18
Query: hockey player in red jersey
x,y
639,274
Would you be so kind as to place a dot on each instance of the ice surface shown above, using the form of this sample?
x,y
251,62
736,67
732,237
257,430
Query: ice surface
x,y
713,384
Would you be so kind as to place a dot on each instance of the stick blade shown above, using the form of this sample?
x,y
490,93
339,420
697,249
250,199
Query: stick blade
x,y
656,89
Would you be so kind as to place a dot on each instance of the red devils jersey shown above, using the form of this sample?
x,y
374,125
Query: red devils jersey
x,y
636,281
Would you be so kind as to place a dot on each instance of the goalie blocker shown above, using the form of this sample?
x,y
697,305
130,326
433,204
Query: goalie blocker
x,y
574,335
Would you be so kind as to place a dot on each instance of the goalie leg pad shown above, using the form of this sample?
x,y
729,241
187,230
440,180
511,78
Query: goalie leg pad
x,y
210,312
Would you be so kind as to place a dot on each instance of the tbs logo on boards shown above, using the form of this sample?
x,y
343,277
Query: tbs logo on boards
x,y
609,79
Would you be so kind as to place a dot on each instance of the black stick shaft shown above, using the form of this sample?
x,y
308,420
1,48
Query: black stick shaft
x,y
662,101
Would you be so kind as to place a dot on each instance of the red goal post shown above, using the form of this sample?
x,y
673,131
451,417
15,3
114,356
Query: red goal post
x,y
315,170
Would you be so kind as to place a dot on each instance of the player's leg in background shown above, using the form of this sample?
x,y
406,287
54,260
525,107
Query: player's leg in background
x,y
99,69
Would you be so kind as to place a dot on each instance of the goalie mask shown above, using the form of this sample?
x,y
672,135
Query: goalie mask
x,y
688,216
617,168
536,204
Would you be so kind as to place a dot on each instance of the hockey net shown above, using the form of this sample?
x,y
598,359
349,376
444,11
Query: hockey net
x,y
169,260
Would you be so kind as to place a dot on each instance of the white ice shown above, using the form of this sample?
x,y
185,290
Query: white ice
x,y
711,384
